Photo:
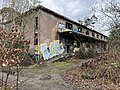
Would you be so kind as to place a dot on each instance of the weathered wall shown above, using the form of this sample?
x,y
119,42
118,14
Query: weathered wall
x,y
29,29
48,27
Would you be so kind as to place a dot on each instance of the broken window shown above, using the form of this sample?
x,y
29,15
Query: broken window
x,y
79,29
36,22
87,32
69,26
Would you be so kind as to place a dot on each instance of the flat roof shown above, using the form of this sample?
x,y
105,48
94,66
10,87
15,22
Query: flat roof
x,y
58,15
65,18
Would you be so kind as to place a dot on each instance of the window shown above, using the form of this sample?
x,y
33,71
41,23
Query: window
x,y
36,38
69,26
93,34
97,36
36,41
104,38
87,32
36,35
79,29
36,22
101,37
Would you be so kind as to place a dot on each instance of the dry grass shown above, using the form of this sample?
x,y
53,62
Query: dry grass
x,y
104,72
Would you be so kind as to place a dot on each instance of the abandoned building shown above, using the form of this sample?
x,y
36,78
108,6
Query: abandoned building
x,y
43,25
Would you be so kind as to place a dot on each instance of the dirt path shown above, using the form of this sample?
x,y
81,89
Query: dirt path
x,y
47,77
54,83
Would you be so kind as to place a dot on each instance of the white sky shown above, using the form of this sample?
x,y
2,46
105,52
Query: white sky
x,y
73,9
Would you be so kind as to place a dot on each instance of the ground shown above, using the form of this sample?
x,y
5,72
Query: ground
x,y
46,76
101,73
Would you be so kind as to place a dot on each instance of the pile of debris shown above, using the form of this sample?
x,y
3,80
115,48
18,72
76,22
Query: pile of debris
x,y
102,73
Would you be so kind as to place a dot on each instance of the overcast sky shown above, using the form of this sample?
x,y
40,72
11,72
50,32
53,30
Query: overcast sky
x,y
73,9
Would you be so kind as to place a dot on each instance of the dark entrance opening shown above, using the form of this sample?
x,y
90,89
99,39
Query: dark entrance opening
x,y
68,48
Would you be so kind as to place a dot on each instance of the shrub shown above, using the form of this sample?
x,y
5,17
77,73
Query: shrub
x,y
91,53
29,60
82,53
85,54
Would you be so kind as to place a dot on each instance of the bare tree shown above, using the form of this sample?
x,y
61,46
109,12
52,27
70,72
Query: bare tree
x,y
111,11
89,21
13,45
20,6
108,14
15,8
13,48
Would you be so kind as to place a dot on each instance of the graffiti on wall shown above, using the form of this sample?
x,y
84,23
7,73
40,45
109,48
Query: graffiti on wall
x,y
55,48
61,25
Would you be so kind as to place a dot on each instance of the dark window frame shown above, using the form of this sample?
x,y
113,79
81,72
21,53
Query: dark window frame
x,y
101,37
93,34
97,36
35,38
79,29
87,33
35,41
36,23
69,26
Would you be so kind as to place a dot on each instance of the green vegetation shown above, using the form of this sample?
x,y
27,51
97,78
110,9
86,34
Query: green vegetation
x,y
83,54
